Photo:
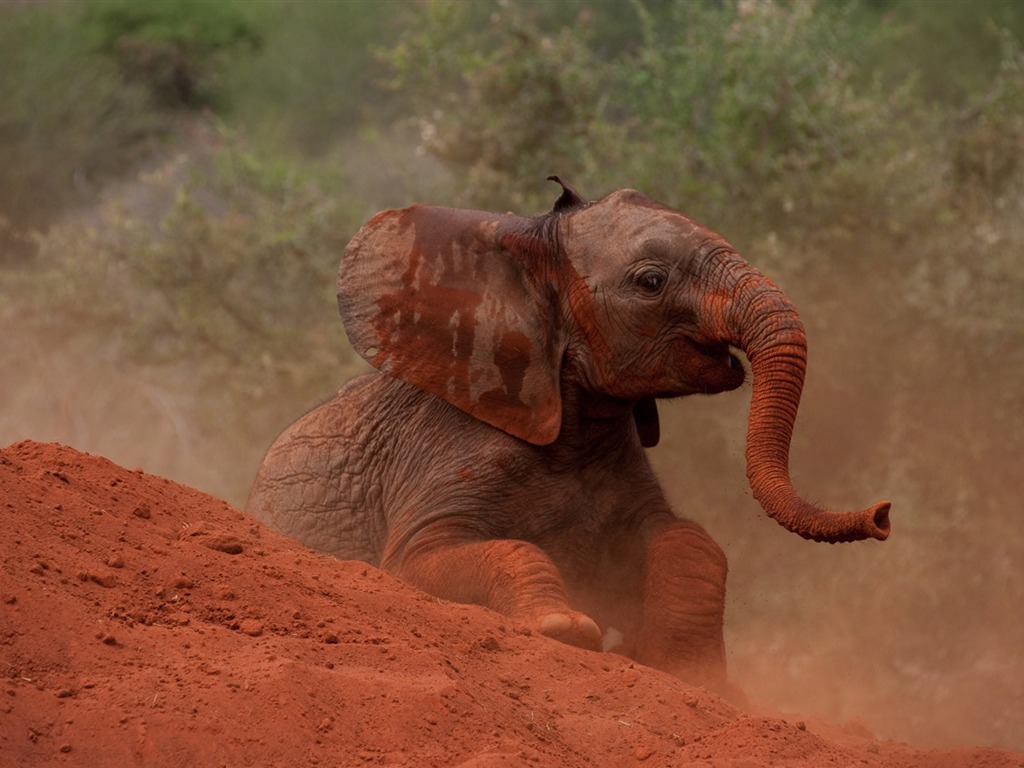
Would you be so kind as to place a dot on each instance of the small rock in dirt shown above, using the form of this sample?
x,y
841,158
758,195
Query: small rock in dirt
x,y
630,676
251,627
224,592
489,643
142,512
115,561
224,543
108,639
107,581
214,539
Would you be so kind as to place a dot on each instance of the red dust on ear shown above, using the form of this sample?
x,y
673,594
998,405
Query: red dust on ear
x,y
436,297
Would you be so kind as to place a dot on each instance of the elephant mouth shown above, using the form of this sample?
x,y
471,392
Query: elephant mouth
x,y
711,367
724,371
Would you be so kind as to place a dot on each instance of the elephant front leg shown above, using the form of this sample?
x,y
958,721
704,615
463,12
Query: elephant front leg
x,y
683,604
514,578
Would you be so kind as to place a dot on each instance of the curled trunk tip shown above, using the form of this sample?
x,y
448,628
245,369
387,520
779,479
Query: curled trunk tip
x,y
761,320
880,518
808,521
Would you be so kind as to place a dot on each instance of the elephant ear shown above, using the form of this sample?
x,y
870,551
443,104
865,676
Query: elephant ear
x,y
458,303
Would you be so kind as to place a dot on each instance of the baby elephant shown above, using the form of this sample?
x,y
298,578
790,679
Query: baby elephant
x,y
498,456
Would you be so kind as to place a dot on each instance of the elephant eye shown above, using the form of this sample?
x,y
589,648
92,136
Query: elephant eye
x,y
651,281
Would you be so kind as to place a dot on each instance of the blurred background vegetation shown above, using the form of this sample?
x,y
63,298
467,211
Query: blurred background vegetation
x,y
178,179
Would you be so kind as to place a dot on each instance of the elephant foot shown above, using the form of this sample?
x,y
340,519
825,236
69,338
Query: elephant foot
x,y
569,627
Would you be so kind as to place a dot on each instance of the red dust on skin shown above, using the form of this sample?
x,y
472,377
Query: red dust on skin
x,y
129,638
413,284
496,358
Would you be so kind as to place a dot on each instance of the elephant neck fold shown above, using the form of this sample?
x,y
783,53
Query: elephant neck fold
x,y
593,423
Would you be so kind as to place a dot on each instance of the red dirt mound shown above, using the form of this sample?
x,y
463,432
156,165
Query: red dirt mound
x,y
146,623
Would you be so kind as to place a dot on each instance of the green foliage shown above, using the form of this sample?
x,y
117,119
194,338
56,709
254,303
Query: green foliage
x,y
951,48
67,124
770,114
502,102
175,48
988,140
211,263
969,272
314,80
752,115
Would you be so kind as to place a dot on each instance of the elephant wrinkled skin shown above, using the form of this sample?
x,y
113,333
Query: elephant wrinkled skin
x,y
497,458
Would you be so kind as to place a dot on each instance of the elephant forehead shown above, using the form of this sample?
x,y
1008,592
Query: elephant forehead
x,y
617,229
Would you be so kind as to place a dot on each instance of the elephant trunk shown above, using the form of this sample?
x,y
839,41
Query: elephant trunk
x,y
760,320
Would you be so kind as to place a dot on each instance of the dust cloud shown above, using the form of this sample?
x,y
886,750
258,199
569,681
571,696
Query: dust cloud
x,y
82,393
919,637
913,395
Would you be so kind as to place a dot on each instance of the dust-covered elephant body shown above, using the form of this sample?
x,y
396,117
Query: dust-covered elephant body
x,y
330,475
498,458
326,479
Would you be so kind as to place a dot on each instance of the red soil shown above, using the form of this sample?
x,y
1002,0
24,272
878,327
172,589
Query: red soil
x,y
146,623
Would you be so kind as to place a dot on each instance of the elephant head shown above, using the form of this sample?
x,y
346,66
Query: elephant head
x,y
622,298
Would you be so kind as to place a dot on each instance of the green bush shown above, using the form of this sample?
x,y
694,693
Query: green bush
x,y
212,264
501,101
176,49
752,115
68,125
314,81
764,116
988,138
